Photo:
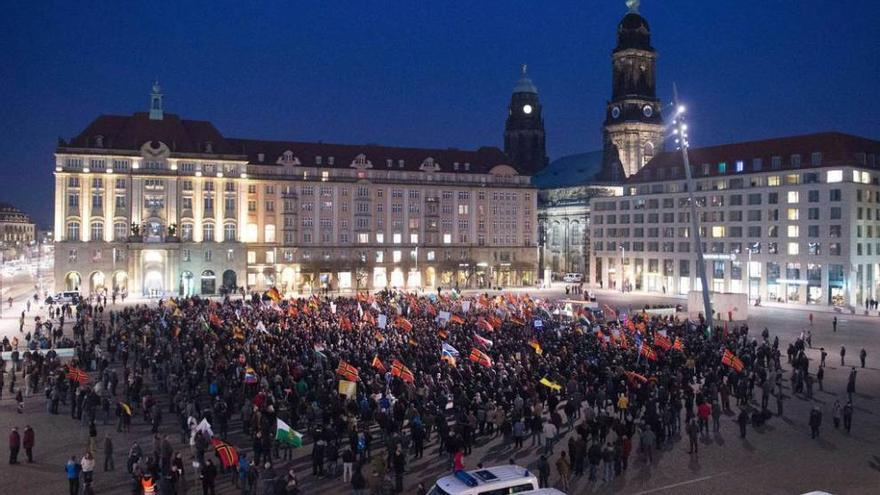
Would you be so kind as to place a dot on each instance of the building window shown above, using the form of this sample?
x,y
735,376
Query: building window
x,y
186,232
97,231
120,231
73,231
793,196
269,233
833,176
208,231
793,248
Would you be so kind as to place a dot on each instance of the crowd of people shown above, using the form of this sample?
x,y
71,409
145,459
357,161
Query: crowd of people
x,y
367,383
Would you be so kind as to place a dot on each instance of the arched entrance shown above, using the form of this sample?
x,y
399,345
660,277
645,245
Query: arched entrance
x,y
153,283
288,278
72,281
430,277
187,284
230,280
209,282
96,282
120,281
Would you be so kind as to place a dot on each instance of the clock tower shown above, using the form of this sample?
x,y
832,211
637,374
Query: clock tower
x,y
524,130
633,128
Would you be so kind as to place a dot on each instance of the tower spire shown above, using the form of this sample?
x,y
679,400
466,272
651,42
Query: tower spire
x,y
633,5
156,112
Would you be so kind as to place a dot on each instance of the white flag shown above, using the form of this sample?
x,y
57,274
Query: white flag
x,y
383,321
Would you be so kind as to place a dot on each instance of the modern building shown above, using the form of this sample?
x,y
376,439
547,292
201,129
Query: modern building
x,y
16,228
793,219
152,203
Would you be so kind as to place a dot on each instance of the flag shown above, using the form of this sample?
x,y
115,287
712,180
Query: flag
x,y
227,453
624,341
634,377
456,319
678,345
517,321
448,349
662,342
347,371
729,359
274,294
534,344
647,351
442,333
286,435
261,327
125,408
377,363
484,324
402,372
483,341
205,427
214,320
403,323
547,383
250,376
478,356
494,321
378,336
348,388
78,375
345,323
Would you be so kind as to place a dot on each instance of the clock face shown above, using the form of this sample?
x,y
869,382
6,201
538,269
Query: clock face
x,y
648,110
615,112
527,109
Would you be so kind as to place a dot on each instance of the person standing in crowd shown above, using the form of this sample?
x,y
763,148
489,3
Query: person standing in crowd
x,y
28,443
109,465
847,416
815,421
842,355
863,354
543,472
563,467
72,468
14,445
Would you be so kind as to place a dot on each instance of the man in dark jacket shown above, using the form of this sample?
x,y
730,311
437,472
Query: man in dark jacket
x,y
28,443
543,472
815,421
208,477
743,420
14,445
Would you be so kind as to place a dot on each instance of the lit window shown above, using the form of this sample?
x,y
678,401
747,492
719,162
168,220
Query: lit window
x,y
739,166
250,233
396,238
834,176
380,237
395,256
414,238
270,233
363,238
793,231
773,180
252,257
447,238
793,248
718,231
325,175
270,256
430,256
793,197
793,213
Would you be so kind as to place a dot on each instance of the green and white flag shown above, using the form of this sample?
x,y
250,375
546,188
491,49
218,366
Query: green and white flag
x,y
285,434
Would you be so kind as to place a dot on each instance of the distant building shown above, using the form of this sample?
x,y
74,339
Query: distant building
x,y
16,228
152,203
793,219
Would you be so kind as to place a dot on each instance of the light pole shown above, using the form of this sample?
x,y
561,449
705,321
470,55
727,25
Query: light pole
x,y
681,140
622,268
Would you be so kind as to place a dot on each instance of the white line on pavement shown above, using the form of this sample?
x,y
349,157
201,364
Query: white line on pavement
x,y
682,483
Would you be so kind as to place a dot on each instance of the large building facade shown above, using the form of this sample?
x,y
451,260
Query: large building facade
x,y
155,204
790,220
16,228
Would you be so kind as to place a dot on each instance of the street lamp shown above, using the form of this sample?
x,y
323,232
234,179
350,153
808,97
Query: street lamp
x,y
681,141
622,268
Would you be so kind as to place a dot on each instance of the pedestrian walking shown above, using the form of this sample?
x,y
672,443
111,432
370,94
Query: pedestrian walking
x,y
815,421
693,432
72,469
834,324
543,472
863,354
822,355
109,464
820,375
563,467
842,355
835,413
743,420
847,416
851,383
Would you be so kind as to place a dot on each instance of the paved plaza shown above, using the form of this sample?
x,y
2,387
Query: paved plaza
x,y
778,458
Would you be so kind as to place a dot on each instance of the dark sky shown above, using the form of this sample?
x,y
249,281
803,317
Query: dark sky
x,y
421,73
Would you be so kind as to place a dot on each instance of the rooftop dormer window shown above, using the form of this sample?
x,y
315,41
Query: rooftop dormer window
x,y
209,147
99,141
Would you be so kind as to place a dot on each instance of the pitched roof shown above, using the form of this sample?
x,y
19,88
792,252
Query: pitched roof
x,y
182,136
837,149
571,170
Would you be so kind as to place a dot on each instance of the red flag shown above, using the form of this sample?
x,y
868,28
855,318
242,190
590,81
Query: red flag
x,y
729,359
648,352
633,377
456,319
481,357
443,334
403,323
377,363
486,343
227,453
678,345
345,323
662,341
484,324
402,372
78,375
347,371
494,321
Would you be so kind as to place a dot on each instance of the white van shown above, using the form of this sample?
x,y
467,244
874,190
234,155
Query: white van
x,y
543,491
575,278
498,480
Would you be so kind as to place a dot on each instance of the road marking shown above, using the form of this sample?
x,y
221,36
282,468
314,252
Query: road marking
x,y
682,483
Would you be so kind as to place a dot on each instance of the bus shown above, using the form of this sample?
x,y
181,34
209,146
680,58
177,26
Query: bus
x,y
498,480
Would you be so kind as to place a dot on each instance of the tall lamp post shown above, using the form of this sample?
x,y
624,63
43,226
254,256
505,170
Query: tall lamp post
x,y
681,141
622,269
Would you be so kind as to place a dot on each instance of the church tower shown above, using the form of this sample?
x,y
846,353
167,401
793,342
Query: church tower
x,y
524,135
633,128
156,112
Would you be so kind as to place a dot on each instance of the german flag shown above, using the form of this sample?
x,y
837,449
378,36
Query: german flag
x,y
377,364
484,324
494,321
345,323
78,375
662,342
443,334
402,372
478,356
227,453
291,310
214,320
623,342
456,319
347,371
678,345
635,377
648,352
403,324
274,294
429,308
